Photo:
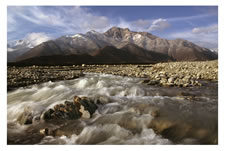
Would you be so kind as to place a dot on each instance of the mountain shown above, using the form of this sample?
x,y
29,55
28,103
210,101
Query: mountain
x,y
120,45
130,53
178,49
106,55
214,50
45,49
17,48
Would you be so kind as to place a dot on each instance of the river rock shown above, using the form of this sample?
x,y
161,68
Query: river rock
x,y
155,113
26,117
88,106
145,81
171,80
80,107
85,113
48,114
44,131
163,81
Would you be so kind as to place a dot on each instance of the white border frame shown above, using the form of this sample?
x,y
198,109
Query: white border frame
x,y
3,73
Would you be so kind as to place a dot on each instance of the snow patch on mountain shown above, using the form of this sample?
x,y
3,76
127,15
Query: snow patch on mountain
x,y
29,41
75,36
137,37
19,47
214,50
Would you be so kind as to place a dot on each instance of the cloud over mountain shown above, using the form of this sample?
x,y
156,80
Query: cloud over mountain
x,y
18,47
159,24
167,22
36,38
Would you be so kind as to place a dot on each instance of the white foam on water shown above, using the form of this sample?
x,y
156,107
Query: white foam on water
x,y
148,136
91,135
108,134
123,119
40,97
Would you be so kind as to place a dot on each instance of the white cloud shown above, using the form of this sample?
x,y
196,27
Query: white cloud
x,y
159,24
203,36
124,24
96,22
36,38
205,30
67,20
185,18
71,20
141,23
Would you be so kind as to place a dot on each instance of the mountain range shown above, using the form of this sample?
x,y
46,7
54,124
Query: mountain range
x,y
116,45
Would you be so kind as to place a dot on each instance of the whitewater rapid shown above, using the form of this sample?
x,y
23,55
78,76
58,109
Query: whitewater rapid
x,y
123,118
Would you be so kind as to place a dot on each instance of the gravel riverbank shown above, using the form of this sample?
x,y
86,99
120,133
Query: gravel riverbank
x,y
182,74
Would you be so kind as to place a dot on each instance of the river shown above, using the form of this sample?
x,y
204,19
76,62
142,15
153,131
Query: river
x,y
186,115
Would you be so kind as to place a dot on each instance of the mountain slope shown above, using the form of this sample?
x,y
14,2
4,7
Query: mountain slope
x,y
116,43
45,49
179,49
106,55
16,49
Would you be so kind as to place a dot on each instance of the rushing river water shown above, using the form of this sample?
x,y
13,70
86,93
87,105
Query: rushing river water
x,y
123,118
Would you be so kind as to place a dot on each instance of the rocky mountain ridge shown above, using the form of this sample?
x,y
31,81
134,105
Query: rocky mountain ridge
x,y
135,43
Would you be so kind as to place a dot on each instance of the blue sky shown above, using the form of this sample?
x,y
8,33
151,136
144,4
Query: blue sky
x,y
198,24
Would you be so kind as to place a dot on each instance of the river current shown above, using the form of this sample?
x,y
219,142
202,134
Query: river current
x,y
124,117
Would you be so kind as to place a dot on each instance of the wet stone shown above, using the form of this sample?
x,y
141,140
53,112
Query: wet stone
x,y
80,107
26,117
48,114
155,113
89,105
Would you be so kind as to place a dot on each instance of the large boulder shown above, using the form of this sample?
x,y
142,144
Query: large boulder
x,y
80,107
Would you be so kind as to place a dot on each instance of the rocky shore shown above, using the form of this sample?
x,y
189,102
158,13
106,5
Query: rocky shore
x,y
181,74
25,76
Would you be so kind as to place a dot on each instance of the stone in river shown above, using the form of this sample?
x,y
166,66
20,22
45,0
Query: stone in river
x,y
85,113
155,113
88,104
44,131
48,114
80,107
26,117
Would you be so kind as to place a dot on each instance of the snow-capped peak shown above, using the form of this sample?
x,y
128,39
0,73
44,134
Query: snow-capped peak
x,y
77,35
29,41
15,43
19,42
214,50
